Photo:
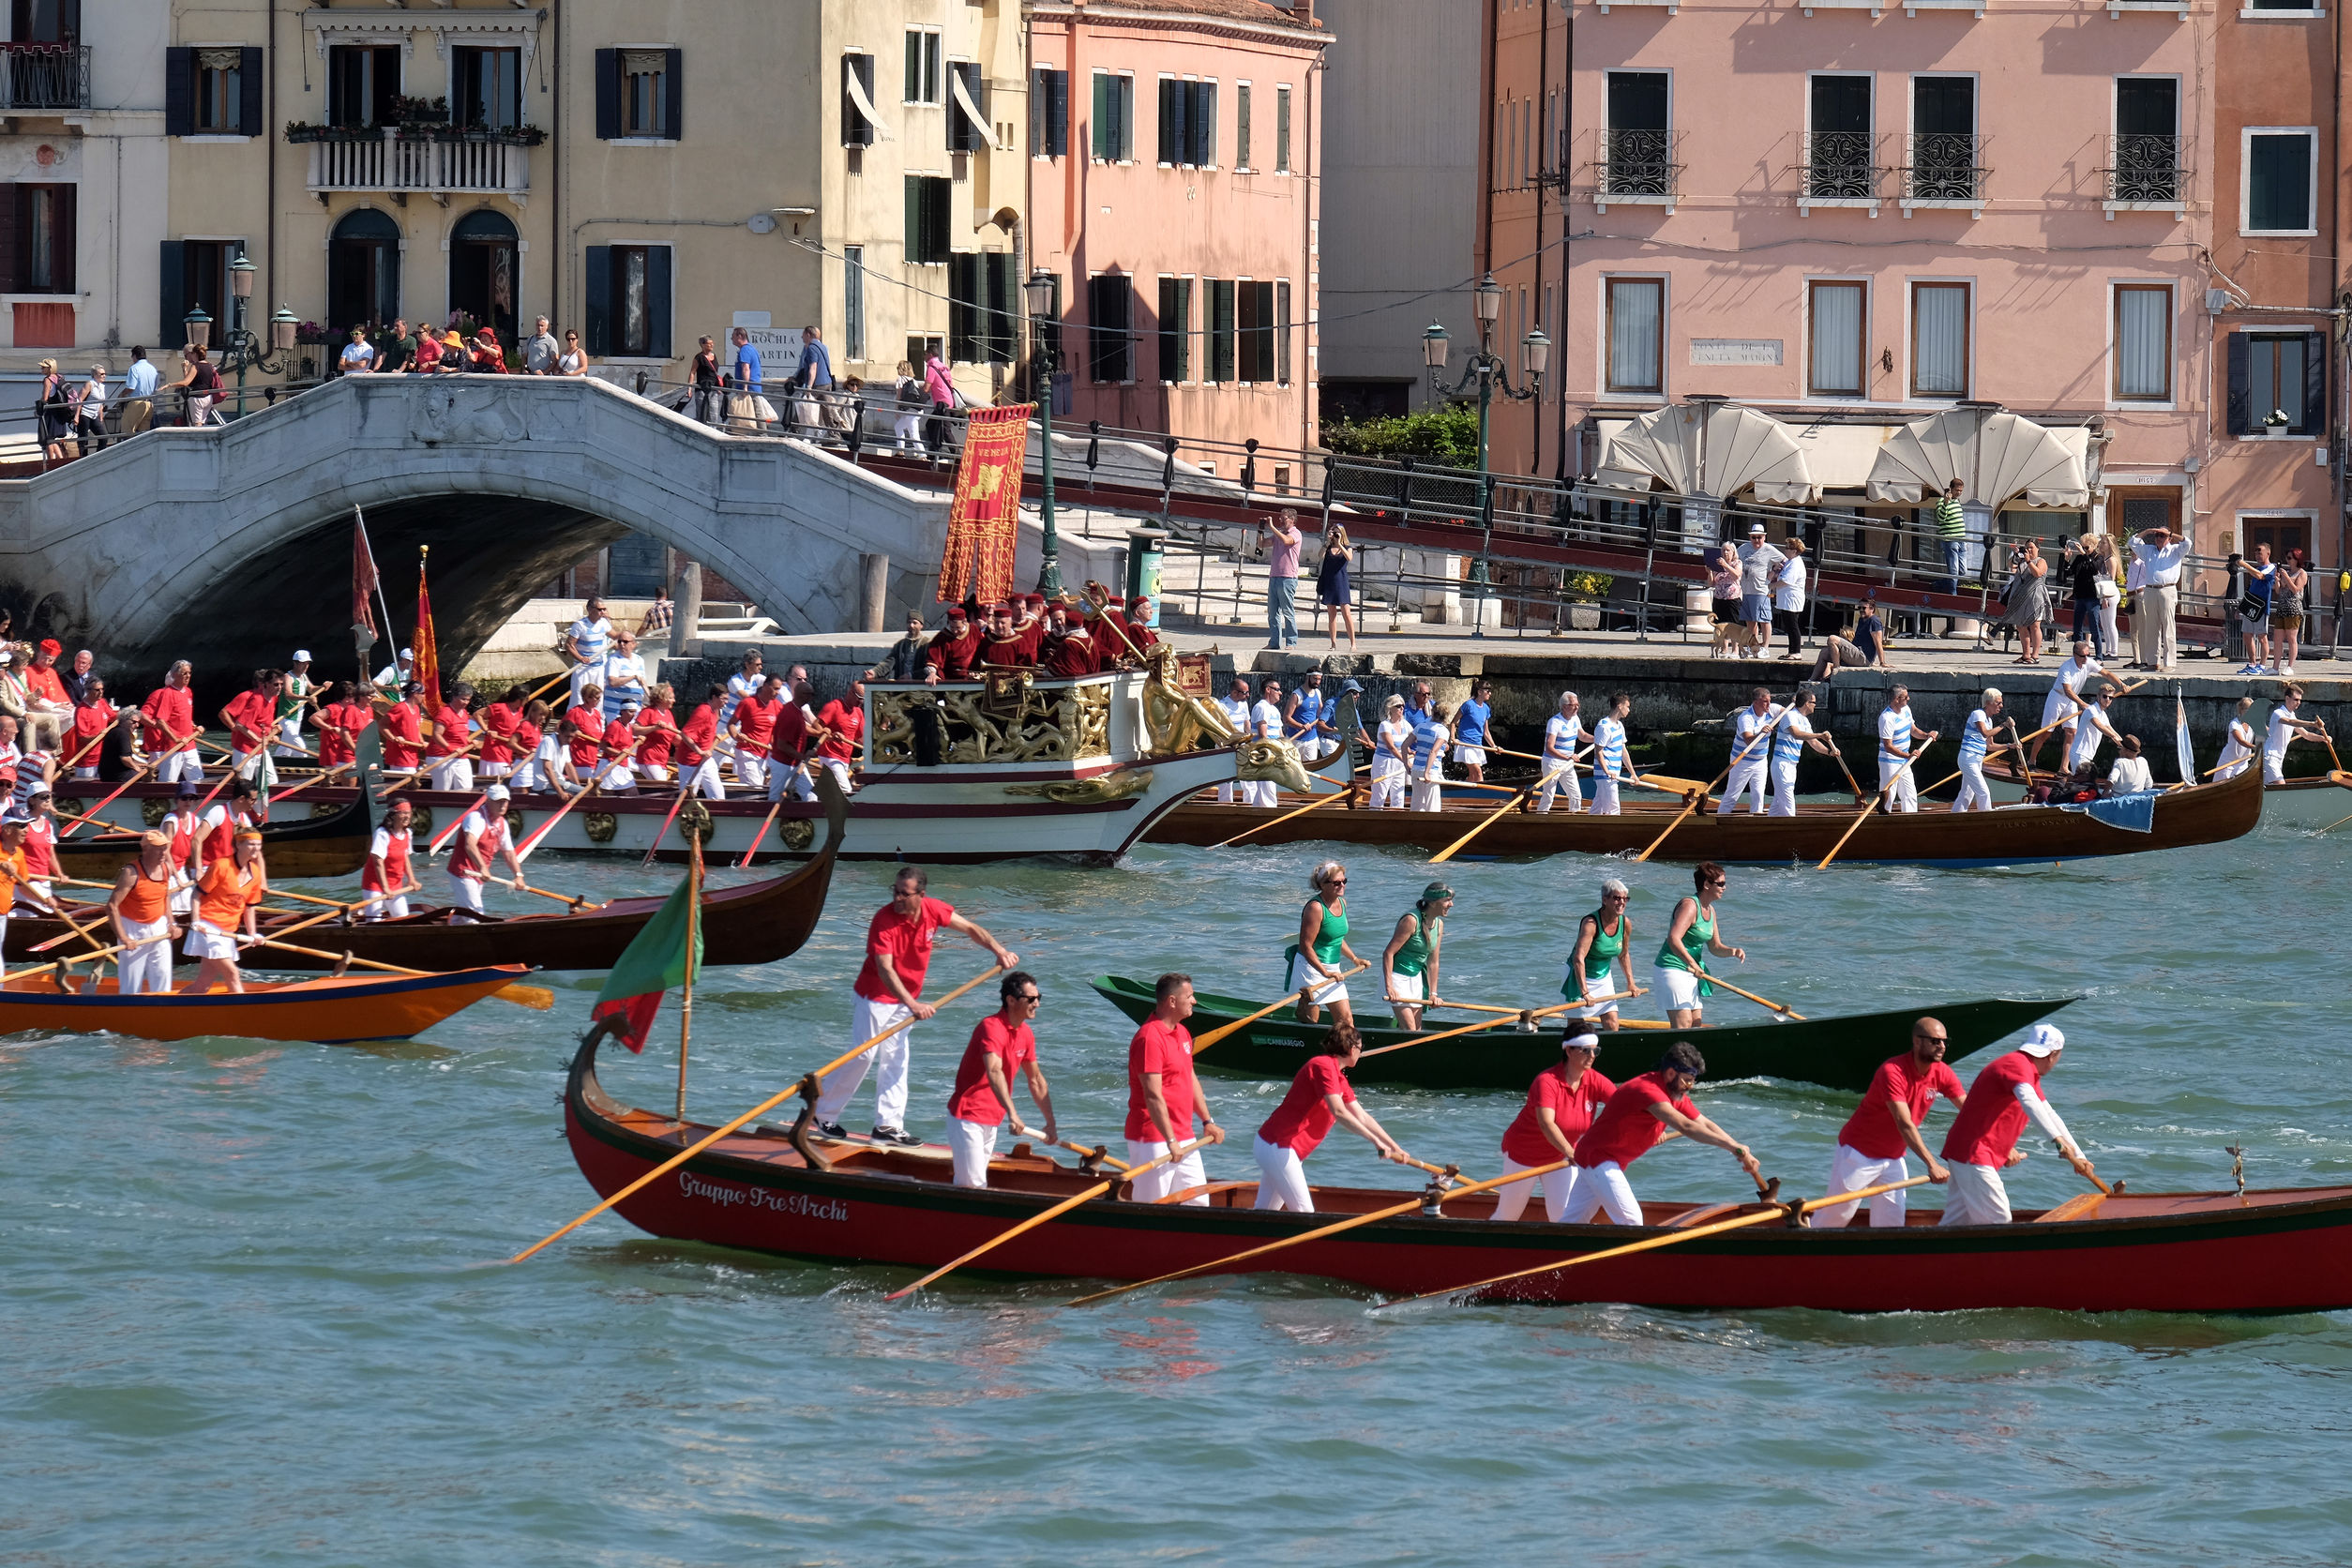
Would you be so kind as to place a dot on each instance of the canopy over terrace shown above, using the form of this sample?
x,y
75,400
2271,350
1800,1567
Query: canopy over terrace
x,y
1999,457
1708,448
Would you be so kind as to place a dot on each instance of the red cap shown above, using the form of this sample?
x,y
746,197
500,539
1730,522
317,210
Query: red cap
x,y
956,612
1035,598
50,646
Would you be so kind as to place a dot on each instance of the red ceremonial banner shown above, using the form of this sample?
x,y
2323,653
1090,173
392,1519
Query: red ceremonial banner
x,y
984,521
428,650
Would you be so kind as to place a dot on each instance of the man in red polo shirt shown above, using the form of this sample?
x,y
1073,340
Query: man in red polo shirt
x,y
788,753
841,733
1642,1113
889,991
401,731
1984,1138
168,727
753,728
983,1096
1163,1096
1870,1147
252,717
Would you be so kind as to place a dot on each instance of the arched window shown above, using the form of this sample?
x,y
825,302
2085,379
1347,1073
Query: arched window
x,y
363,271
483,256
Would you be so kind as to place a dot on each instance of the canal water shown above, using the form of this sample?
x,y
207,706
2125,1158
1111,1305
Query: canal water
x,y
247,1317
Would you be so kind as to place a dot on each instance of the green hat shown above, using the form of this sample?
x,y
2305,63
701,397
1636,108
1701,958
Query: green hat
x,y
1435,893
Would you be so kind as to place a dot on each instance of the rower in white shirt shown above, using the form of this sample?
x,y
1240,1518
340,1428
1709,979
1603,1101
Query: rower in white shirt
x,y
1899,747
1234,705
1751,752
1562,734
1791,737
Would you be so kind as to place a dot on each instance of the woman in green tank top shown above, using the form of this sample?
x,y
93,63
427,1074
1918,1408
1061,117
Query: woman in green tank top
x,y
1409,967
1604,939
1692,934
1314,958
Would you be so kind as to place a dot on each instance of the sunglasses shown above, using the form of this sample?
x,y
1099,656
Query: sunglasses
x,y
1335,882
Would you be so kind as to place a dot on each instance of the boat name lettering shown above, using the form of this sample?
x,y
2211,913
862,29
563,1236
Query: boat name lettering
x,y
782,1202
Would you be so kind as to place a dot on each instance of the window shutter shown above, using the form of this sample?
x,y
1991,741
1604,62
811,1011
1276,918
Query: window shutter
x,y
1241,128
249,69
1201,124
12,271
856,130
936,191
1058,112
63,271
1172,143
170,334
2315,381
1220,330
179,93
910,232
673,92
1037,113
1282,333
960,269
2241,391
608,101
597,305
70,21
1004,304
1245,327
657,300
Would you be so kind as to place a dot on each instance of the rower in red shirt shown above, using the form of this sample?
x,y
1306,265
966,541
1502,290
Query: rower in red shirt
x,y
401,732
841,733
167,727
40,845
582,727
1870,1145
1984,1138
533,754
1320,1098
983,1095
794,740
86,746
340,723
388,877
656,735
1637,1118
1163,1098
621,743
955,653
451,754
500,721
250,716
698,747
889,991
753,728
1560,1107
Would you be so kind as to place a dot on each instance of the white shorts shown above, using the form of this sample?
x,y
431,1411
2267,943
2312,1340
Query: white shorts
x,y
1678,989
971,1145
653,773
1469,756
453,773
1976,1197
619,779
1597,987
384,906
2273,767
751,772
498,770
1403,987
1160,1181
206,943
840,771
1850,1170
181,765
1601,1187
1281,1177
1326,993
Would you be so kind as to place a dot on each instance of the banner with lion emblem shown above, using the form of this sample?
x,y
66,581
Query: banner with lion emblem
x,y
984,521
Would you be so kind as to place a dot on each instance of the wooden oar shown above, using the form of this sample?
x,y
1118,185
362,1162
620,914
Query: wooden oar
x,y
1701,798
1674,1237
1205,1041
1344,792
1853,783
683,790
538,997
58,909
318,778
523,852
1498,812
1033,1221
2332,826
551,683
455,823
1469,1028
757,1111
110,951
773,811
577,903
1351,1223
134,777
1760,1001
1863,815
1098,1153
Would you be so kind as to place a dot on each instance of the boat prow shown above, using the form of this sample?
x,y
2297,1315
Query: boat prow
x,y
333,1010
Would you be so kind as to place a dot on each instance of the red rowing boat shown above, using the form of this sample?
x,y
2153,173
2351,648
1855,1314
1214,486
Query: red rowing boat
x,y
2258,1251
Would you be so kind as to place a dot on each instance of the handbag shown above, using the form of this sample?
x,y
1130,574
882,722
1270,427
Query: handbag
x,y
2108,592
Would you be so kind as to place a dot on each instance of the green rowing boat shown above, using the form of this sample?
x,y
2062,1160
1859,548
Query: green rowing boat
x,y
1839,1053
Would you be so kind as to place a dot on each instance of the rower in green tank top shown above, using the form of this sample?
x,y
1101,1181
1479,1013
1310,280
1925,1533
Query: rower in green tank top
x,y
1694,933
1410,962
1316,958
1604,941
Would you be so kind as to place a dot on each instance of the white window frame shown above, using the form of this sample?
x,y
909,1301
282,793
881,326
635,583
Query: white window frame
x,y
2172,344
2245,180
1865,282
1910,129
1600,340
2247,13
1806,203
1910,342
941,101
1196,341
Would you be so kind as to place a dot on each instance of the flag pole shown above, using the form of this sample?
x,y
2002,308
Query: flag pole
x,y
686,1001
376,576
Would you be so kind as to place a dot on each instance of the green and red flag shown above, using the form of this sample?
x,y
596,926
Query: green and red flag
x,y
665,954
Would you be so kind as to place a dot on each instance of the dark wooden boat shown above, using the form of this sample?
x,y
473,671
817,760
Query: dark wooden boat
x,y
336,1010
1838,1053
334,844
2262,1251
757,923
2007,835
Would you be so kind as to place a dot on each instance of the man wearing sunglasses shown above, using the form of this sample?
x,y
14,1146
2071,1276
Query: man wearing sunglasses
x,y
983,1096
1872,1144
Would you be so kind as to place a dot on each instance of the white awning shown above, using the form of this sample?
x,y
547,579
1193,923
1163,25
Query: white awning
x,y
866,104
972,110
2001,457
1716,450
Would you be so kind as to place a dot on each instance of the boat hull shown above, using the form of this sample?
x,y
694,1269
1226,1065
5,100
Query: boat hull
x,y
335,1011
1837,1053
2273,1252
295,843
2020,835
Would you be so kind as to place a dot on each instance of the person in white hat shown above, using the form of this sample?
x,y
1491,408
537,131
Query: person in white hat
x,y
1760,566
1872,1144
294,700
1982,1142
1561,1106
482,837
394,676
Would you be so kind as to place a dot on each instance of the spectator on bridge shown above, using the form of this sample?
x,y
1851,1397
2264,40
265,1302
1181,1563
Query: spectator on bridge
x,y
428,352
488,358
571,362
138,384
56,407
705,377
358,357
656,618
539,353
906,430
810,383
1723,587
1332,589
201,385
396,350
89,413
1952,533
1282,578
939,434
744,405
455,359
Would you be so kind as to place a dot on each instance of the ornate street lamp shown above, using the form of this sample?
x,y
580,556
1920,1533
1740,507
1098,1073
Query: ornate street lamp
x,y
1039,291
1491,375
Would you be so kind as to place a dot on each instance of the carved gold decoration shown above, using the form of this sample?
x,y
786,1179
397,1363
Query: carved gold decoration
x,y
420,820
796,833
323,809
1005,718
1175,720
1089,792
695,820
1275,762
153,809
601,827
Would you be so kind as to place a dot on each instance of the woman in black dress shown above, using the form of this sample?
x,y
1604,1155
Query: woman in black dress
x,y
1332,590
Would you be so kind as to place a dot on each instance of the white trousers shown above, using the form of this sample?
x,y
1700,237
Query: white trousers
x,y
1976,1197
840,771
1599,1187
254,766
890,1059
1428,794
1160,1181
706,781
1784,788
971,1145
1388,788
181,765
1281,1177
1566,786
794,782
1850,1170
144,968
453,773
1225,793
385,906
751,772
1975,794
465,892
1604,795
1511,1197
288,737
1745,777
1905,796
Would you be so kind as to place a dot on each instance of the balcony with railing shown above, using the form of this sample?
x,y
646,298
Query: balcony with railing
x,y
44,76
437,160
1841,169
1636,168
2145,173
1945,169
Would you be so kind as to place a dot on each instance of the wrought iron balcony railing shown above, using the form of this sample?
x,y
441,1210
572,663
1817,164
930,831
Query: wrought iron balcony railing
x,y
1637,165
44,76
1843,166
1945,166
2145,169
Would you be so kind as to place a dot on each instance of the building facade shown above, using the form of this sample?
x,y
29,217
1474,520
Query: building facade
x,y
1172,192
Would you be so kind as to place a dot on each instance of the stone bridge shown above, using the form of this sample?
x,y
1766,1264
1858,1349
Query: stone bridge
x,y
231,545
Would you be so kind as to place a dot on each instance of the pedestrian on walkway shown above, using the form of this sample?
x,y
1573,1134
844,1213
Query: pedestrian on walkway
x,y
1332,590
2157,558
1952,533
812,384
138,384
1789,597
1282,578
2253,610
1759,564
705,376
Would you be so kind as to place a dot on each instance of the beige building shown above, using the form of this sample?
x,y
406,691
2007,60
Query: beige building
x,y
646,172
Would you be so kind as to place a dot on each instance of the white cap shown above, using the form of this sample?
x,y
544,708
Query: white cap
x,y
302,656
408,652
497,792
1755,528
6,657
2043,1040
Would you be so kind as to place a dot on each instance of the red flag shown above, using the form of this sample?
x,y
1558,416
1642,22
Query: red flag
x,y
428,657
983,517
363,581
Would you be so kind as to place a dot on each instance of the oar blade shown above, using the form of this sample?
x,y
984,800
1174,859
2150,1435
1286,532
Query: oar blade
x,y
538,997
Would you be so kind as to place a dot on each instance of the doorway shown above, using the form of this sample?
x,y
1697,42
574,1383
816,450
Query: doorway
x,y
483,251
363,271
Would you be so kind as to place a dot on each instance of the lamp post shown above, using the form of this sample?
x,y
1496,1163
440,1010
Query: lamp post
x,y
243,349
1486,368
1040,290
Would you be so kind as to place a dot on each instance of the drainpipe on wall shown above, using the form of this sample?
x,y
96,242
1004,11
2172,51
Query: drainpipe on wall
x,y
1542,96
269,223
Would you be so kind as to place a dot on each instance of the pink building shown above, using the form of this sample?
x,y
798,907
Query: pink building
x,y
1856,216
1174,144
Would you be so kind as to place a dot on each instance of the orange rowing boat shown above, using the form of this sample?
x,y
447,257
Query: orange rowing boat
x,y
336,1010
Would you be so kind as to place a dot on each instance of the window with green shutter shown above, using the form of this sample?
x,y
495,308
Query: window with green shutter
x,y
1175,330
1221,323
